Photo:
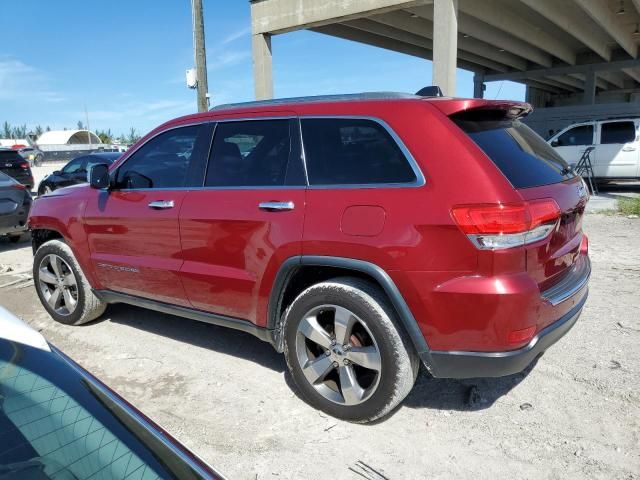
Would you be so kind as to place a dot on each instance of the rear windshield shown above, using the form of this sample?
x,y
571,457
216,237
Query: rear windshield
x,y
9,156
520,153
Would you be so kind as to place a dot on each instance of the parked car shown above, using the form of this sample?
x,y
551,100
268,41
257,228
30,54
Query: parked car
x,y
15,203
33,155
59,421
74,172
358,234
12,163
616,154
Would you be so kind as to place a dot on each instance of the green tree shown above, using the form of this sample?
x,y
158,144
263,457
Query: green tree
x,y
19,131
80,125
38,130
6,130
105,136
133,136
48,129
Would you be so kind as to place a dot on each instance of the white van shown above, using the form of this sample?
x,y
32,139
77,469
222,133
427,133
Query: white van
x,y
616,143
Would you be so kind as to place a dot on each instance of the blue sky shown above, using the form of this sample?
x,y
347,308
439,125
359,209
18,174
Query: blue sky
x,y
126,60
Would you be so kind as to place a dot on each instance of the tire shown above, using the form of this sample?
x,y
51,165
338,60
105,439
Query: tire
x,y
389,376
67,273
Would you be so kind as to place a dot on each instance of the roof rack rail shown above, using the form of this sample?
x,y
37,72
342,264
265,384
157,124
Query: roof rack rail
x,y
322,98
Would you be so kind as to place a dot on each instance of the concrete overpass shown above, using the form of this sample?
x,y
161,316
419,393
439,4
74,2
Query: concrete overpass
x,y
567,52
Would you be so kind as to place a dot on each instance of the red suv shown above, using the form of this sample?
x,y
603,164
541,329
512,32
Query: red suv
x,y
358,234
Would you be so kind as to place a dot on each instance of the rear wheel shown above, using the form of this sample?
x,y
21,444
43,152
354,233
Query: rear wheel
x,y
346,352
62,287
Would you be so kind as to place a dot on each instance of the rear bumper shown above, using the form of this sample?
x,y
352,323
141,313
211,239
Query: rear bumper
x,y
456,364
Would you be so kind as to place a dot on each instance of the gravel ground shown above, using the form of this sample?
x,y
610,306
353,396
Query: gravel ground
x,y
227,396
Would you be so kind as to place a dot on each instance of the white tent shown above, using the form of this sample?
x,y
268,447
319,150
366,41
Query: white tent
x,y
68,137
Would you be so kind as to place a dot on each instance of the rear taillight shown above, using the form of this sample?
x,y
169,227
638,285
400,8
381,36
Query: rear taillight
x,y
18,186
24,165
500,226
584,245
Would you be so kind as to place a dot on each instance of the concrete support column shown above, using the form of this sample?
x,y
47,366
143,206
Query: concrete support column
x,y
589,88
262,66
478,85
445,45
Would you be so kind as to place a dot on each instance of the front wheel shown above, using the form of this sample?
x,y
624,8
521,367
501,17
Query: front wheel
x,y
346,351
62,287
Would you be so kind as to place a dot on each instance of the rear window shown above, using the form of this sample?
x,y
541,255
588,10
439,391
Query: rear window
x,y
617,133
520,153
352,151
10,156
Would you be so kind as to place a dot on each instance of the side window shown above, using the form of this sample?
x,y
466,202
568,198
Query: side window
x,y
346,151
73,166
617,132
251,153
162,162
581,135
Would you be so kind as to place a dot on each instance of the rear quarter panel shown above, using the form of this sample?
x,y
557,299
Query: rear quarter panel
x,y
419,235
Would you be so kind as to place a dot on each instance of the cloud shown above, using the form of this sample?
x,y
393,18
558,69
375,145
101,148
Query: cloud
x,y
227,59
232,37
19,80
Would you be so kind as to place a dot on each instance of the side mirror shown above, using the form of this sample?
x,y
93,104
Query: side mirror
x,y
555,143
57,172
99,176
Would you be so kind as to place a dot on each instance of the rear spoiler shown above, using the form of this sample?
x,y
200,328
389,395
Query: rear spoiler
x,y
471,109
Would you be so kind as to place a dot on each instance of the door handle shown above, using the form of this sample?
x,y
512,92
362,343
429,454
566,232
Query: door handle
x,y
161,204
629,149
276,206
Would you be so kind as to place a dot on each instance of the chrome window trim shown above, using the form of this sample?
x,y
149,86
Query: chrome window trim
x,y
418,182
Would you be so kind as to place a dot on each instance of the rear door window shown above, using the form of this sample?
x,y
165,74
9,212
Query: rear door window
x,y
252,153
617,133
580,135
518,152
351,151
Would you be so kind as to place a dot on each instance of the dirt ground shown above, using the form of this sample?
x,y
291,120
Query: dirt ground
x,y
227,396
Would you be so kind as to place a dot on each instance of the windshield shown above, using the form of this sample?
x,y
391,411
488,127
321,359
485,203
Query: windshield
x,y
520,153
56,424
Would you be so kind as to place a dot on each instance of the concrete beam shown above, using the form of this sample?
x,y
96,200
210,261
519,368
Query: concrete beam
x,y
600,13
383,30
499,16
546,87
590,89
423,27
445,45
280,16
563,15
584,68
567,80
614,78
636,3
495,37
580,77
262,66
360,36
633,73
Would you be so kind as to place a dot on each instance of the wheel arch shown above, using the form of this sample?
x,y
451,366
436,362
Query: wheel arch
x,y
320,268
40,236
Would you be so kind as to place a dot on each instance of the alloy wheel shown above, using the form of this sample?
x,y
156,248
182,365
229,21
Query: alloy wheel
x,y
58,284
338,355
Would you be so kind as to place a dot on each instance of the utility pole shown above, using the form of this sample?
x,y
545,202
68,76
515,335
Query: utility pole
x,y
200,54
